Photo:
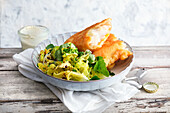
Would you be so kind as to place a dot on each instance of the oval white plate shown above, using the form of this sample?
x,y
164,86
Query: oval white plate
x,y
121,69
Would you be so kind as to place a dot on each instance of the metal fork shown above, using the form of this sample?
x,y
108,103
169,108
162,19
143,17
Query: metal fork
x,y
138,76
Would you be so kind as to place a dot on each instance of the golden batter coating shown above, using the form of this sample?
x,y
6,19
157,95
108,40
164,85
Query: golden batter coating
x,y
92,37
112,50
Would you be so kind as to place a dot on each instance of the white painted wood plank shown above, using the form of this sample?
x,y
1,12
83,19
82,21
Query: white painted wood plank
x,y
14,86
158,75
8,64
16,90
33,107
8,52
147,105
54,106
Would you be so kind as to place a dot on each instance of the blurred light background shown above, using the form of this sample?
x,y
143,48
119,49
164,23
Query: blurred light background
x,y
139,22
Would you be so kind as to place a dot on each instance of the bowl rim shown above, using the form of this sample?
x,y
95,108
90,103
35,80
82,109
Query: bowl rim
x,y
71,81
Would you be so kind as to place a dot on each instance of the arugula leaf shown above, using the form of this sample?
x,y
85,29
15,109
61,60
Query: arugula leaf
x,y
111,73
100,66
50,46
95,78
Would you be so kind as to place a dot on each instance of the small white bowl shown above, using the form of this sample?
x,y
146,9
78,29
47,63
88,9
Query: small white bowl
x,y
121,69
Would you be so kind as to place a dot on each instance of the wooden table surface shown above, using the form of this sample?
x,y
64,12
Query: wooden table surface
x,y
20,94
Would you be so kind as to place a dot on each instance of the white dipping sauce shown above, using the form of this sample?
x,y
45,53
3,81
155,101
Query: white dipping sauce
x,y
32,35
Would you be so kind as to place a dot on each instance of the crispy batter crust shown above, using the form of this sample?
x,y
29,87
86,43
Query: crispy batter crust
x,y
82,40
112,50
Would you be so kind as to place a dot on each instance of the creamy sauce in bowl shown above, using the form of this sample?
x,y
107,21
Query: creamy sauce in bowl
x,y
31,36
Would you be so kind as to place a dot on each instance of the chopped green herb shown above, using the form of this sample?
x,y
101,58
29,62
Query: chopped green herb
x,y
74,70
80,53
68,48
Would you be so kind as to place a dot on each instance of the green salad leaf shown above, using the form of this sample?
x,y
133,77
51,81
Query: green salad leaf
x,y
53,52
58,55
111,73
100,66
95,78
50,46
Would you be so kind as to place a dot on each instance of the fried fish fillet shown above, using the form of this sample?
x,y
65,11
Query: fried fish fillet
x,y
92,37
112,50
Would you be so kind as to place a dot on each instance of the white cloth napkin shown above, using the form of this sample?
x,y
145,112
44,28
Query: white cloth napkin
x,y
79,102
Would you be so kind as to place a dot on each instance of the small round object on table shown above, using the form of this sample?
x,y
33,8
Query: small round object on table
x,y
150,87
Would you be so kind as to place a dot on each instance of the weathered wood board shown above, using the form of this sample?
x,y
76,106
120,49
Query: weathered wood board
x,y
19,94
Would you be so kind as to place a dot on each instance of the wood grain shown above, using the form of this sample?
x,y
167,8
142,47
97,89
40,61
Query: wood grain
x,y
20,94
54,106
8,64
34,106
8,52
152,57
141,105
14,86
